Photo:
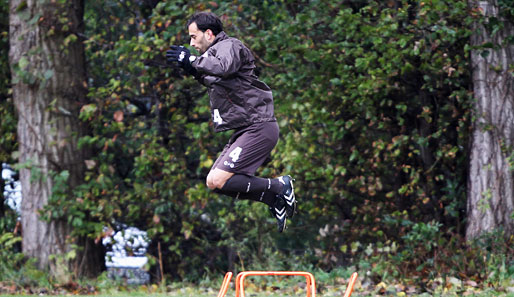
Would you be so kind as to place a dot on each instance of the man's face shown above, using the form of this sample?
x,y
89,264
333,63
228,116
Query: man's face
x,y
200,40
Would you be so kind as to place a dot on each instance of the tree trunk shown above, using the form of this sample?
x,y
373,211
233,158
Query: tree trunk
x,y
49,87
491,177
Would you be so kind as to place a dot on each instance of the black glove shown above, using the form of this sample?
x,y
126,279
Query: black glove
x,y
183,56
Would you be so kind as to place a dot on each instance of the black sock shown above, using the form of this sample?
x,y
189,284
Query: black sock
x,y
252,184
265,197
253,188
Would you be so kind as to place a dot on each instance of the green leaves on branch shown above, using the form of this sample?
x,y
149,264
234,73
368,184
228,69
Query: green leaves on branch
x,y
373,105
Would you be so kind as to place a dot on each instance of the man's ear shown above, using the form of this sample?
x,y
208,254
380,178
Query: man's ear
x,y
210,35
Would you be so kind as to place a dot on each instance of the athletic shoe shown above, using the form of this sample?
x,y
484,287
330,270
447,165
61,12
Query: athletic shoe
x,y
288,194
278,210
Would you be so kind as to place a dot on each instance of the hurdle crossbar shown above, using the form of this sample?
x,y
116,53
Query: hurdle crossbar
x,y
311,283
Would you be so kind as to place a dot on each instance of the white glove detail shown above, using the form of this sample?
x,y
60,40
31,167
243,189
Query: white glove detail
x,y
181,56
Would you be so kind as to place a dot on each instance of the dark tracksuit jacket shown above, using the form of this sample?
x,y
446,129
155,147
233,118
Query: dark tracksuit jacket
x,y
237,97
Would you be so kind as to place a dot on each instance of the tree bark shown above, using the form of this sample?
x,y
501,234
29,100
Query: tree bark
x,y
49,87
491,178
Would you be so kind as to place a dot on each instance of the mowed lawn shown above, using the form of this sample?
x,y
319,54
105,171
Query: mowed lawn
x,y
279,287
213,292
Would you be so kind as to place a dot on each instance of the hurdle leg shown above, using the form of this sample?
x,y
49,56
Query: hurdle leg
x,y
351,283
225,284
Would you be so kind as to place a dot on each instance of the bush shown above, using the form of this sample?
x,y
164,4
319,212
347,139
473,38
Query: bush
x,y
372,102
426,254
16,270
372,99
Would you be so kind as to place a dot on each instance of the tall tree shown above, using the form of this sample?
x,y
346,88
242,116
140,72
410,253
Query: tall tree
x,y
491,175
49,87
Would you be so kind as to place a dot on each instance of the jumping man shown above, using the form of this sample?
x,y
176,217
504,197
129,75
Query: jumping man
x,y
239,101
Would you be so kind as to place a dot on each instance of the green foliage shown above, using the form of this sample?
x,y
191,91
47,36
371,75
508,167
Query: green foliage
x,y
8,122
9,241
372,101
151,144
376,99
373,104
427,254
15,269
506,9
495,254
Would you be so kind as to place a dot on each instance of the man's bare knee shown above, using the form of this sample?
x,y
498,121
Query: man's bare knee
x,y
209,182
215,183
217,178
211,185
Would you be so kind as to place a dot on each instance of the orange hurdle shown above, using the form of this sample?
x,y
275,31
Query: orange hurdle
x,y
225,284
351,283
311,283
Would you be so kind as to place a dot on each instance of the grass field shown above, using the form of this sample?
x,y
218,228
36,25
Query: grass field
x,y
207,293
294,291
212,292
259,286
298,290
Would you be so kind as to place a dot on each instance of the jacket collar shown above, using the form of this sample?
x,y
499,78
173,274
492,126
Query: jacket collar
x,y
219,37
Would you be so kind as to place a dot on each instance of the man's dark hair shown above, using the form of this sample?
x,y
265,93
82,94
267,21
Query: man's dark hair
x,y
206,20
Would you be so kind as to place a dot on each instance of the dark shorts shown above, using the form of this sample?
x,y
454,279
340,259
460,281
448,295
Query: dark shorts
x,y
248,148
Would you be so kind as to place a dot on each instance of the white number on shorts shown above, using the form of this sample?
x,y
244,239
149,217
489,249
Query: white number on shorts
x,y
217,117
235,154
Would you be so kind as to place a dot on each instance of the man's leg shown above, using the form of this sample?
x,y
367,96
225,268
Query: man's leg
x,y
244,186
246,151
217,178
232,173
